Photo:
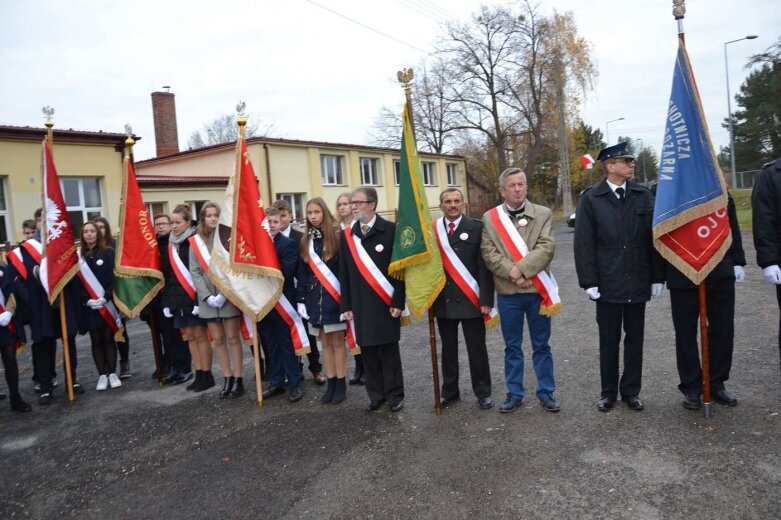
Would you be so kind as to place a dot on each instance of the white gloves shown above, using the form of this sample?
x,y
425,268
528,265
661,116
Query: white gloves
x,y
656,289
301,308
167,312
772,274
5,318
593,293
342,318
216,302
96,305
196,311
740,273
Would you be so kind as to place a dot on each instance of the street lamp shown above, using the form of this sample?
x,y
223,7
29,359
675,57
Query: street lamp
x,y
607,130
642,159
729,111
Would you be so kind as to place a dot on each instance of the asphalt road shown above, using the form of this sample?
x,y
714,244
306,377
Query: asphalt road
x,y
145,452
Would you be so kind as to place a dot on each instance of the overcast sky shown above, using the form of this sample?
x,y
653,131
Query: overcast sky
x,y
316,75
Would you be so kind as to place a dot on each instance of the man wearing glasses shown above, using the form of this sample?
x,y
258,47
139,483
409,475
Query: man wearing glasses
x,y
373,299
619,269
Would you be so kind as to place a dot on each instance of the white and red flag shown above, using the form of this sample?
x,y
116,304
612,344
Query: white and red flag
x,y
59,261
587,161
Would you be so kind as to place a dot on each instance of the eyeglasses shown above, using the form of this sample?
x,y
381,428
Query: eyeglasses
x,y
358,202
626,160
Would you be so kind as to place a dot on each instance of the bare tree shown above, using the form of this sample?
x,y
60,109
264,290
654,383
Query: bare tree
x,y
225,130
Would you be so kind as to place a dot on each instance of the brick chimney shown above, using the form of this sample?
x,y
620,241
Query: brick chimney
x,y
164,115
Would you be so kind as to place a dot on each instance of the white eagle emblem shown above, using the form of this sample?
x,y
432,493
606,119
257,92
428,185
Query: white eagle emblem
x,y
54,225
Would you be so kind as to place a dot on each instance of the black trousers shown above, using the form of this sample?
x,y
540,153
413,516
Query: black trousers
x,y
720,301
44,353
382,370
175,352
778,298
474,335
610,318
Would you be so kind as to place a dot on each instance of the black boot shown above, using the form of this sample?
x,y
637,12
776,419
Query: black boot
x,y
196,382
340,394
18,405
329,390
238,388
207,381
357,378
227,386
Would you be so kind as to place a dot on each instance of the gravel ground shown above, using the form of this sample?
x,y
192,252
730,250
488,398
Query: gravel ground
x,y
145,452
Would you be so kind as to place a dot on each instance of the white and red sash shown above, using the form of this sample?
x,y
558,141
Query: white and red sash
x,y
11,326
33,247
182,273
109,312
512,240
458,272
331,284
371,273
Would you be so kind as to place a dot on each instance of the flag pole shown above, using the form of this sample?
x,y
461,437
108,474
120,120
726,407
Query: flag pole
x,y
63,321
405,78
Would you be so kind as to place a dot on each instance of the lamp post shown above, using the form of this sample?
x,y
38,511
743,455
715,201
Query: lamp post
x,y
642,164
729,111
607,129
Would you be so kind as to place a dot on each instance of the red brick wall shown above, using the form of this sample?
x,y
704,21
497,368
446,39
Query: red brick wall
x,y
164,115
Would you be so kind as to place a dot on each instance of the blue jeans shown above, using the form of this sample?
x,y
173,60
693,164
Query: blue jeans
x,y
512,309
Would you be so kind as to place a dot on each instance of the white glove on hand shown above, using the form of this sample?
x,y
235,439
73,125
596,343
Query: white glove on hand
x,y
593,293
301,308
167,312
656,289
772,274
5,318
342,318
196,311
211,301
219,300
740,273
96,304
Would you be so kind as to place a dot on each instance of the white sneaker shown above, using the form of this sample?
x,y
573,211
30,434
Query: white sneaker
x,y
102,383
114,381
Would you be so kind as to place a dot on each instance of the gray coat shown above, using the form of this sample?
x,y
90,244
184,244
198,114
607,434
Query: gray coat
x,y
205,288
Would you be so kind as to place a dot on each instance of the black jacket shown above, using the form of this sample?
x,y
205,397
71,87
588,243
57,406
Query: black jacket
x,y
766,209
174,295
287,251
9,284
724,270
102,266
320,305
373,323
452,303
614,245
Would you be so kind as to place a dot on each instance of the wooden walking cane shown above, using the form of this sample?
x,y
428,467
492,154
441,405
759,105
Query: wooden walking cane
x,y
434,363
705,352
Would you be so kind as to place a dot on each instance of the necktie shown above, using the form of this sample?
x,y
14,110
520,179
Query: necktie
x,y
364,229
620,192
451,228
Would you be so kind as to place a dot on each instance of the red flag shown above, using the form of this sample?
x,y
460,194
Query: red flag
x,y
60,262
587,161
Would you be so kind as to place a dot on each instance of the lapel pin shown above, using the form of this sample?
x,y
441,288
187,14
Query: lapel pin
x,y
379,248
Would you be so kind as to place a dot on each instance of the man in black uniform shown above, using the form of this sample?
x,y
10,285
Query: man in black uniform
x,y
377,323
453,305
720,302
619,268
766,210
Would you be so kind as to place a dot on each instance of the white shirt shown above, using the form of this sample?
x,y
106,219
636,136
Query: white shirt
x,y
370,224
286,231
614,187
456,222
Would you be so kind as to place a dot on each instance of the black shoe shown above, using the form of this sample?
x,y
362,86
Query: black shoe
x,y
340,392
207,381
170,378
605,404
485,402
45,398
295,394
721,396
238,388
374,405
634,403
447,401
357,378
3,396
510,404
397,407
692,401
124,370
329,391
18,405
549,403
196,382
273,391
227,387
78,389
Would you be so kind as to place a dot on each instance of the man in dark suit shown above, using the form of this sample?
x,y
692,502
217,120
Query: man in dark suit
x,y
285,217
274,332
454,306
377,323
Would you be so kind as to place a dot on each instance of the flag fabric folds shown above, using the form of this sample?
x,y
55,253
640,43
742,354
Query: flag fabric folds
x,y
59,261
138,275
587,161
416,257
690,225
244,263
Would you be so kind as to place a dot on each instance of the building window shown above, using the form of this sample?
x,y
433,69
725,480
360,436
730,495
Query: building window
x,y
369,173
5,231
83,199
195,207
155,209
396,172
296,201
429,174
452,176
332,170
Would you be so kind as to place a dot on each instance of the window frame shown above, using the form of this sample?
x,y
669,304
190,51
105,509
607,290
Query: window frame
x,y
5,214
396,171
338,175
297,207
452,167
432,172
374,174
87,212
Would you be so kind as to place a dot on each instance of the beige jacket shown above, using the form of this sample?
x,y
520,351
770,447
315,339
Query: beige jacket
x,y
538,237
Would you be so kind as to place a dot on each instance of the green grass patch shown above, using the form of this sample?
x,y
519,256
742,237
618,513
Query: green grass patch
x,y
743,205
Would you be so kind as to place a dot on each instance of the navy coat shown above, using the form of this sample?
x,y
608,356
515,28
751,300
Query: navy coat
x,y
287,251
102,265
9,285
174,296
321,307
